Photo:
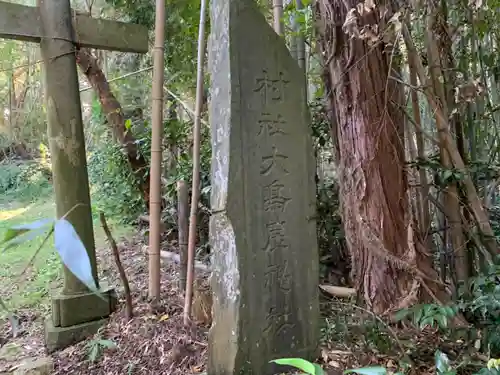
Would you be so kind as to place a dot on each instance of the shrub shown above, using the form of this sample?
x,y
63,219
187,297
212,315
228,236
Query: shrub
x,y
24,181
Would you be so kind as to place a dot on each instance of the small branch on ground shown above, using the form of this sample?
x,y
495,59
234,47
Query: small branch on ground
x,y
176,258
128,297
338,291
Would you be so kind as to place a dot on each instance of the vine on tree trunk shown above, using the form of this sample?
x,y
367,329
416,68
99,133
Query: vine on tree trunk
x,y
113,110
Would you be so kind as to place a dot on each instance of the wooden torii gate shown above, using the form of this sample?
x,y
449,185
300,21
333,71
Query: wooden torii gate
x,y
76,312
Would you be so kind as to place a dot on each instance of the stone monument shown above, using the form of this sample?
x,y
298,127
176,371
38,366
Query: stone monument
x,y
263,231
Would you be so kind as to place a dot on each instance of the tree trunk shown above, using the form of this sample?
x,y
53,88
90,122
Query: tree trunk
x,y
113,110
442,67
425,218
389,266
475,204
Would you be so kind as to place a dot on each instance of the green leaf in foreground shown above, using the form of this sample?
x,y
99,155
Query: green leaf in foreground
x,y
376,370
73,253
401,314
12,319
299,363
25,232
319,370
12,233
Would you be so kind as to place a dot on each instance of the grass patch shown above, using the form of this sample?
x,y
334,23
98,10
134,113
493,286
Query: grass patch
x,y
24,181
32,289
27,290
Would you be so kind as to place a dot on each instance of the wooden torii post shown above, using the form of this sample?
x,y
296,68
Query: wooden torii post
x,y
76,312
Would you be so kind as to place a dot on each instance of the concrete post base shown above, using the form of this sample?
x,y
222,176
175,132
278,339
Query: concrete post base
x,y
57,338
75,317
72,309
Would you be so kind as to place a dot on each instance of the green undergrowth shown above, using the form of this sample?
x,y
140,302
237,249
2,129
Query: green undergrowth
x,y
24,181
25,283
27,290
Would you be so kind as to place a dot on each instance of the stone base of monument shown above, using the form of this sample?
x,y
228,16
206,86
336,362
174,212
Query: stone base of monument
x,y
73,309
77,316
57,338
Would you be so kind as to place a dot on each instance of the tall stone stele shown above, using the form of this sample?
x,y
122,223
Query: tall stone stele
x,y
263,233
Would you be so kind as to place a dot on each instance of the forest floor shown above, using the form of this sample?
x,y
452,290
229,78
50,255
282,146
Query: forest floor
x,y
152,342
156,342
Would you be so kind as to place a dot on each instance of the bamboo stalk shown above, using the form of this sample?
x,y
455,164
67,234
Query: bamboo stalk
x,y
195,190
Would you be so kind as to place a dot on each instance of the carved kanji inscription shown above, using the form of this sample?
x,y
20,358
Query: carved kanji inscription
x,y
270,125
272,88
272,161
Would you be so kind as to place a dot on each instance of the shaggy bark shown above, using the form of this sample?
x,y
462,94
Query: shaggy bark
x,y
113,110
389,264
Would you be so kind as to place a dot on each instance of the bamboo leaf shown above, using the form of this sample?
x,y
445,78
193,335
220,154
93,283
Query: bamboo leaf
x,y
73,253
299,363
25,232
12,319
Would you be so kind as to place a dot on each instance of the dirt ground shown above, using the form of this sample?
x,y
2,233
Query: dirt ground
x,y
152,342
156,342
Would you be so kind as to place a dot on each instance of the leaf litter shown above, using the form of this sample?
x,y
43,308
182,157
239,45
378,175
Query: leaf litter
x,y
355,338
158,342
151,342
